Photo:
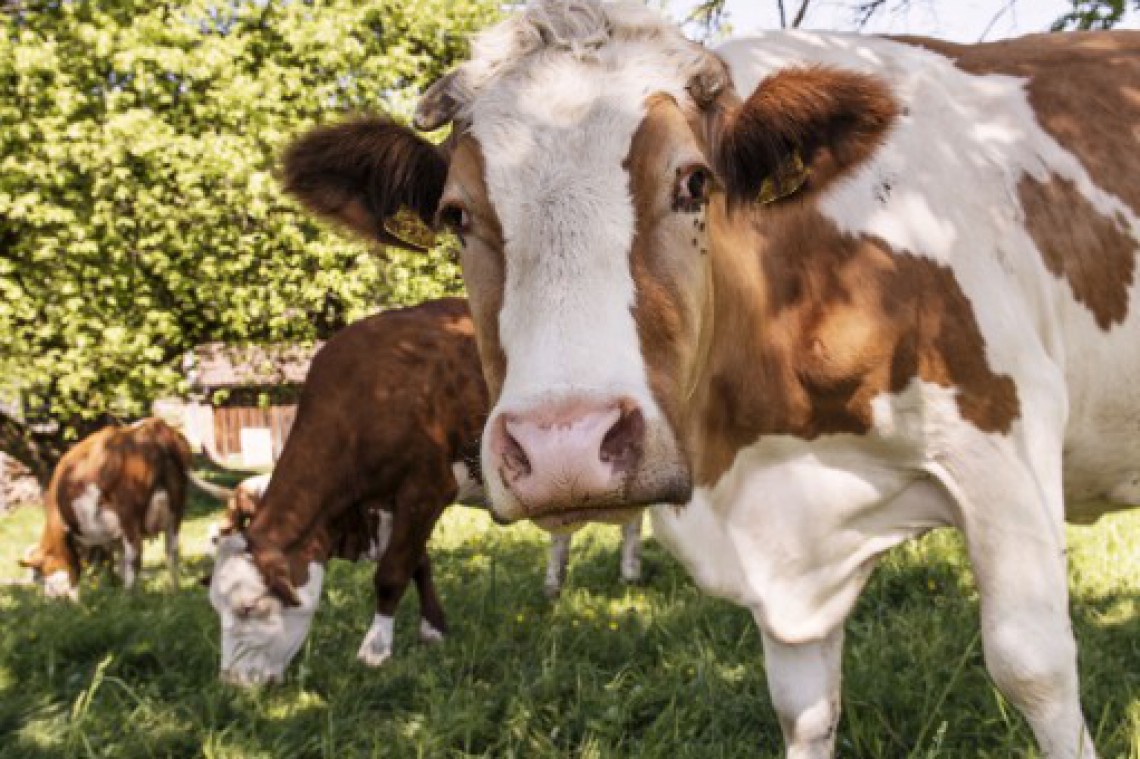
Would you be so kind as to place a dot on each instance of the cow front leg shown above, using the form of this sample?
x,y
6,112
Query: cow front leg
x,y
1027,636
557,561
433,625
1010,503
393,572
804,682
631,550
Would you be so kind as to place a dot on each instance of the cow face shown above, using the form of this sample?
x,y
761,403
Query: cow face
x,y
260,634
596,159
58,578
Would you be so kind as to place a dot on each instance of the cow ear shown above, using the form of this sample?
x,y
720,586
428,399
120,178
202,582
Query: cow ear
x,y
798,131
273,566
377,177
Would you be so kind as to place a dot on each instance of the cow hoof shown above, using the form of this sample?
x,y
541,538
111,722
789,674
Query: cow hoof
x,y
428,633
371,658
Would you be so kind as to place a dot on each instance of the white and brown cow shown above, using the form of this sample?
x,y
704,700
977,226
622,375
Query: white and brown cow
x,y
115,488
823,292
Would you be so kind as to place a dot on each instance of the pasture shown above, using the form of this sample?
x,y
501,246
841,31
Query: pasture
x,y
652,671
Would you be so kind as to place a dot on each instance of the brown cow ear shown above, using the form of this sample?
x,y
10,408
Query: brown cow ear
x,y
799,130
273,566
377,177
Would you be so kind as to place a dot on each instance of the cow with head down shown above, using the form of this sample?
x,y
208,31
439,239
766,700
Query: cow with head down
x,y
387,435
114,489
821,292
387,424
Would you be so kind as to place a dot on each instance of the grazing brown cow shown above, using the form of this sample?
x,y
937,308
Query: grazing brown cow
x,y
388,421
822,292
112,490
393,405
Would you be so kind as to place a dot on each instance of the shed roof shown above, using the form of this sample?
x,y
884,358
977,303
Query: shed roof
x,y
217,365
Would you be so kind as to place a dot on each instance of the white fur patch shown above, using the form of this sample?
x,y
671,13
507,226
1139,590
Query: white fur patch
x,y
158,514
379,542
377,645
471,491
631,550
557,561
260,635
97,526
58,585
428,633
127,564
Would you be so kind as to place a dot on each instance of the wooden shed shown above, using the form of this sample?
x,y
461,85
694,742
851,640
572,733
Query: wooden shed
x,y
243,399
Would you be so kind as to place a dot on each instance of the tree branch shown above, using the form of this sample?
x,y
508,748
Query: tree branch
x,y
799,19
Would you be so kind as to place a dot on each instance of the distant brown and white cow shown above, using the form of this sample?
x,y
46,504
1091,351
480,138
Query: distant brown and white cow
x,y
823,292
391,414
115,488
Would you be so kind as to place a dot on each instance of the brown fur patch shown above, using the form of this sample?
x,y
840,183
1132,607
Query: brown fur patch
x,y
1083,88
484,265
668,239
812,325
390,402
1095,254
834,118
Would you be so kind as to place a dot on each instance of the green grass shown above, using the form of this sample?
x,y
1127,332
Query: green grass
x,y
652,671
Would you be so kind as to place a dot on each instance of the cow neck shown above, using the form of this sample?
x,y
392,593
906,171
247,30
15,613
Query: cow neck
x,y
753,381
57,552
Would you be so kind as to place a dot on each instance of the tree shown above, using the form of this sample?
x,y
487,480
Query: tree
x,y
1095,14
139,214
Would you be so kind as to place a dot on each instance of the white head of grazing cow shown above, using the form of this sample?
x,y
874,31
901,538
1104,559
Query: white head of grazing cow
x,y
585,169
260,634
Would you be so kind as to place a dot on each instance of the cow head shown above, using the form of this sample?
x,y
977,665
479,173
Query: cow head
x,y
260,633
59,575
597,161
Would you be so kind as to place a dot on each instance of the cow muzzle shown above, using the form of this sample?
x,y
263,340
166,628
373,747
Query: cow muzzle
x,y
581,460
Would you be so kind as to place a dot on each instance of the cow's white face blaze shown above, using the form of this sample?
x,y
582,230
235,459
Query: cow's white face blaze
x,y
583,258
260,634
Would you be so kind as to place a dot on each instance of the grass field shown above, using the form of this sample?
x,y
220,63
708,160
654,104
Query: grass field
x,y
606,671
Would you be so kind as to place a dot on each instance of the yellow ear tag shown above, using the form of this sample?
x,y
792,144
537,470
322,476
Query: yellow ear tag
x,y
408,228
788,179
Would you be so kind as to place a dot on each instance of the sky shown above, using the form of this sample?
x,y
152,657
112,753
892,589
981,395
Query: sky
x,y
958,20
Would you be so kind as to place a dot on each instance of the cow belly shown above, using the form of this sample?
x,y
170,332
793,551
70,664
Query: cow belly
x,y
96,526
793,539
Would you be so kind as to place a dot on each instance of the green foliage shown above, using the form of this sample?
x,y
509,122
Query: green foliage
x,y
1095,14
139,214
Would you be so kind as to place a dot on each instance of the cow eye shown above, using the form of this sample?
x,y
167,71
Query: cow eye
x,y
694,184
454,217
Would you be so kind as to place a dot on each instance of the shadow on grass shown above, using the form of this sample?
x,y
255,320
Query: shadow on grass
x,y
607,670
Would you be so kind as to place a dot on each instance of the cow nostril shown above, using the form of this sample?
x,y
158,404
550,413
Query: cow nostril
x,y
513,456
621,447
